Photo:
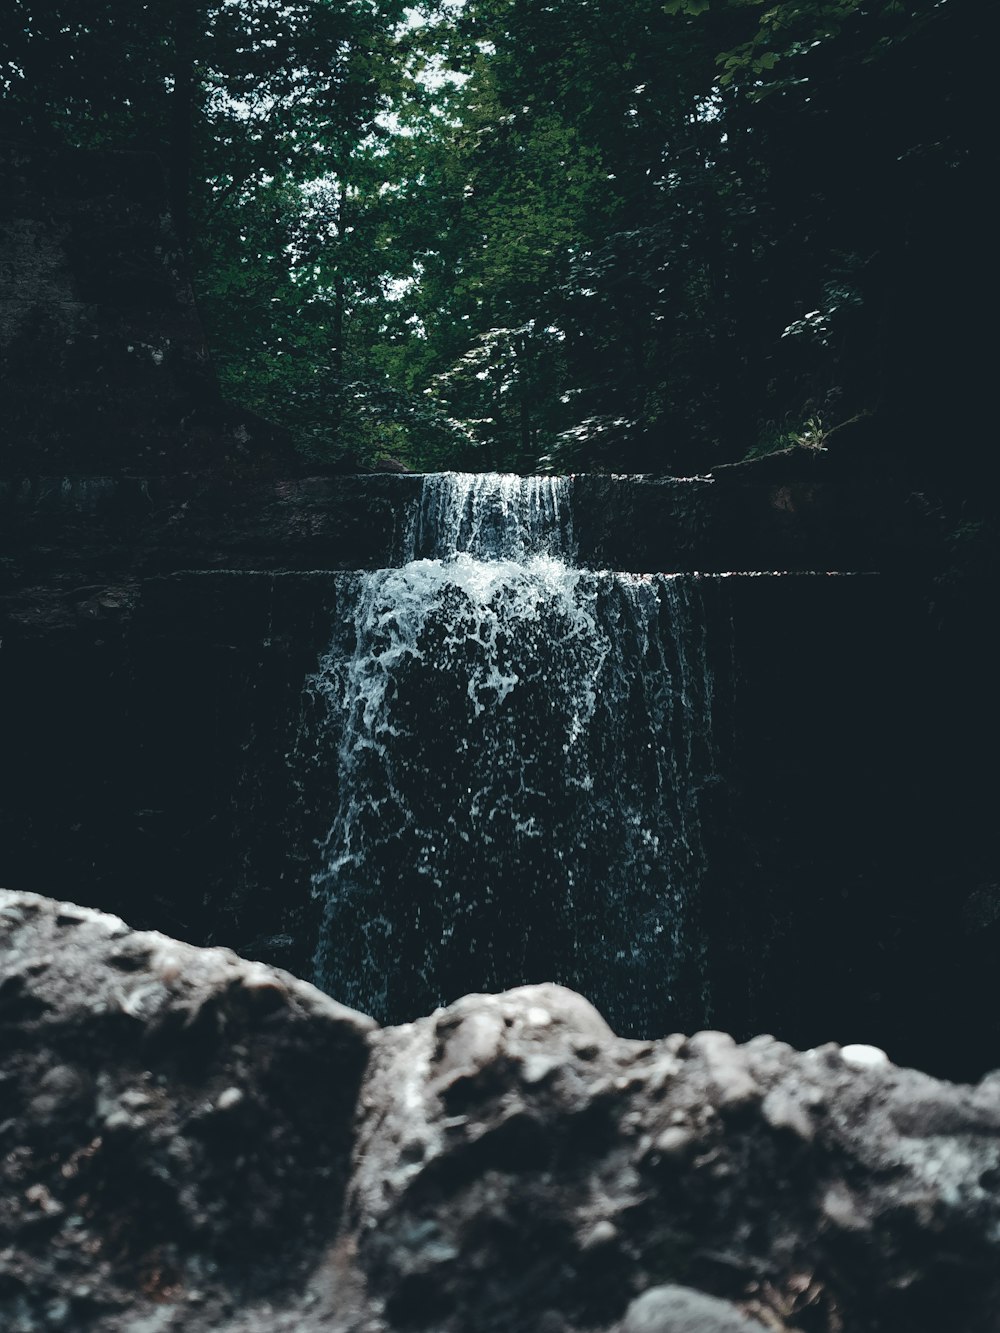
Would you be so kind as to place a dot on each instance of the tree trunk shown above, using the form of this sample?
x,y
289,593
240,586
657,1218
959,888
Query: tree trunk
x,y
182,113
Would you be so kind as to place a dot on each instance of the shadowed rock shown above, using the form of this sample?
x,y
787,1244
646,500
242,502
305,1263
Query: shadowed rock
x,y
191,1141
175,1121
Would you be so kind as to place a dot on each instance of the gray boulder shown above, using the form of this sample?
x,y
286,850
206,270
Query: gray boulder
x,y
192,1142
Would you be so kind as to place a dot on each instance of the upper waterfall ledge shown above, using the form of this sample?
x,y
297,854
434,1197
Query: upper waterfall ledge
x,y
193,1141
114,528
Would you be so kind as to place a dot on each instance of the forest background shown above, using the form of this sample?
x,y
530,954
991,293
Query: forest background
x,y
562,234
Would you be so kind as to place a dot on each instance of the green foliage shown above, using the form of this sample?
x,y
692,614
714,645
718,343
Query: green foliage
x,y
501,233
777,36
775,437
262,112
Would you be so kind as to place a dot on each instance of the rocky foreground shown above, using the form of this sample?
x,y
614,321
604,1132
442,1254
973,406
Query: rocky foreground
x,y
191,1141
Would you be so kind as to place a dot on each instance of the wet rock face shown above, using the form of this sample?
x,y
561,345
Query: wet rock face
x,y
190,1141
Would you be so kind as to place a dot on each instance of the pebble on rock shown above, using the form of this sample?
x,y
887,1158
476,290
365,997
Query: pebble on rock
x,y
673,1309
860,1056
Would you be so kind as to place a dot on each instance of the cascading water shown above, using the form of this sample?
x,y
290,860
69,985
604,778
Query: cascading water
x,y
519,748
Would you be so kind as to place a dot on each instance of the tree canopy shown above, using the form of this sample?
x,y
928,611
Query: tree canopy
x,y
654,235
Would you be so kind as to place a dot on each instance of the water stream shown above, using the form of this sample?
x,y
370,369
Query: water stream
x,y
518,750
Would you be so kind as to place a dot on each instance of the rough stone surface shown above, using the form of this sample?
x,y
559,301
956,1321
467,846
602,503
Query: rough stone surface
x,y
195,1142
61,535
175,1122
746,520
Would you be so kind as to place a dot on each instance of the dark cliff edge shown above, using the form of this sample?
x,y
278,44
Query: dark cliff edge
x,y
60,533
191,1141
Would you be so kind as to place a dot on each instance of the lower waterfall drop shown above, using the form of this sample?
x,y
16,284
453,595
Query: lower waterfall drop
x,y
517,750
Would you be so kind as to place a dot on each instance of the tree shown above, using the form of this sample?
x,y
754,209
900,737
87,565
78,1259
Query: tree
x,y
254,108
655,235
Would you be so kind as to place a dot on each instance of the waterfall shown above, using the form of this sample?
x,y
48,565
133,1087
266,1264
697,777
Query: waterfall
x,y
490,516
516,752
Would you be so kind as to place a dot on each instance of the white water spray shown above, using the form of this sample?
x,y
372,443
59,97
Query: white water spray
x,y
518,747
